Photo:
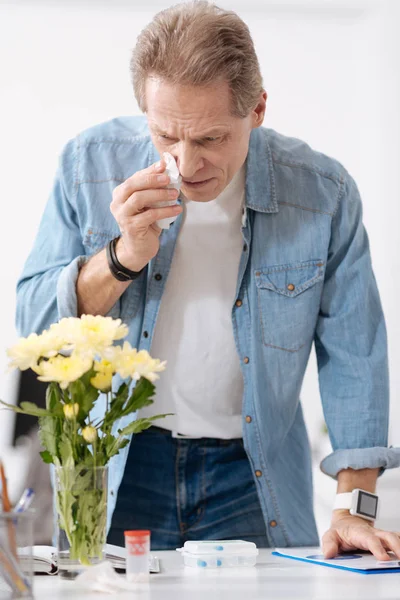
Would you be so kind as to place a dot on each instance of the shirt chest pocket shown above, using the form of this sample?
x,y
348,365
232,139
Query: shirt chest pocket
x,y
288,303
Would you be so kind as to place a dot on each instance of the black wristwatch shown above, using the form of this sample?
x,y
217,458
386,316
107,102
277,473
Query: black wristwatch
x,y
117,270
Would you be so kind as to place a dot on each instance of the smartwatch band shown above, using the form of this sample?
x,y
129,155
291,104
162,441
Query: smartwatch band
x,y
117,269
343,501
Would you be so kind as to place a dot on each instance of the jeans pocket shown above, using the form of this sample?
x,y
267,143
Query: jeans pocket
x,y
288,302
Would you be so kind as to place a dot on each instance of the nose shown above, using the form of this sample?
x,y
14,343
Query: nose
x,y
189,160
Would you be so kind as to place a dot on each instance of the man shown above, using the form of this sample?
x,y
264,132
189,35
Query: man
x,y
267,256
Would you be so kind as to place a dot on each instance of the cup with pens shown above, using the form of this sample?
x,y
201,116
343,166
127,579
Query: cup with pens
x,y
16,540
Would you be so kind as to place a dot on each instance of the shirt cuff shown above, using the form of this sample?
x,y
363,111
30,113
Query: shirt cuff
x,y
361,458
67,302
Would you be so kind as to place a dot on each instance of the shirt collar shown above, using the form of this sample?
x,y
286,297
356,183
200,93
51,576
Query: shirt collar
x,y
260,181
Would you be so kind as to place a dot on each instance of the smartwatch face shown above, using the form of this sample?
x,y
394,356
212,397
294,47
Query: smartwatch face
x,y
367,504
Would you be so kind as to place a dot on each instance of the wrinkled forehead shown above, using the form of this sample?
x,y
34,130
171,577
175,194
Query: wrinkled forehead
x,y
195,107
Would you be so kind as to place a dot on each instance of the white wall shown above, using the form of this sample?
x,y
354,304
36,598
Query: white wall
x,y
331,69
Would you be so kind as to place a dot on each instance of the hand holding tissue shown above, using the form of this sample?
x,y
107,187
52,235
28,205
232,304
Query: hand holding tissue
x,y
175,183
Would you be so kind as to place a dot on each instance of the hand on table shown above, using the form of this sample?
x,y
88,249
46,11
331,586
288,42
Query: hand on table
x,y
349,533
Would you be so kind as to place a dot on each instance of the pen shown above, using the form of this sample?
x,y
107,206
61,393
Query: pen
x,y
4,492
7,508
8,556
25,501
12,573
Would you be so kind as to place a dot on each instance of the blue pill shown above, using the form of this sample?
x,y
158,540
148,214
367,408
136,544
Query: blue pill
x,y
201,563
219,548
219,563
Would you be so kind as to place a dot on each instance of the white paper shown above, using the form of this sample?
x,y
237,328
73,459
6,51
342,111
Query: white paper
x,y
175,183
362,561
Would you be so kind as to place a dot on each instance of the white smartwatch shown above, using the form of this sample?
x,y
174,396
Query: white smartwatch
x,y
360,504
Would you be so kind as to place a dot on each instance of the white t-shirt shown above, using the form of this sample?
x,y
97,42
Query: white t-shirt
x,y
202,384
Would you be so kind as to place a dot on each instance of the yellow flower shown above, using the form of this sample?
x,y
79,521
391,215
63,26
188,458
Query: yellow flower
x,y
71,411
90,335
128,362
89,434
64,369
25,354
103,378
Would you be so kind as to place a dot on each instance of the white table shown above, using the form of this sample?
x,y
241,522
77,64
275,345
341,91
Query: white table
x,y
272,578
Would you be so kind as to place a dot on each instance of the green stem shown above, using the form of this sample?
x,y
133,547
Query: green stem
x,y
94,446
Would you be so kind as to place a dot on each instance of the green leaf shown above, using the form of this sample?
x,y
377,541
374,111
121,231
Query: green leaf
x,y
77,390
140,397
112,445
66,451
49,432
84,393
53,399
141,424
64,503
30,408
87,402
46,457
116,407
123,389
26,408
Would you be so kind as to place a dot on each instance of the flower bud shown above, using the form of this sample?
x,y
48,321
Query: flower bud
x,y
89,434
71,411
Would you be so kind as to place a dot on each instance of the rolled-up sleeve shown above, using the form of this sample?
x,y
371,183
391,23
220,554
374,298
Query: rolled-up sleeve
x,y
351,347
46,289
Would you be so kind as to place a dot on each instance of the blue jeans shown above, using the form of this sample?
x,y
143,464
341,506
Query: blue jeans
x,y
187,489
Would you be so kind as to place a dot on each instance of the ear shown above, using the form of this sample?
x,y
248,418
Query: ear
x,y
258,112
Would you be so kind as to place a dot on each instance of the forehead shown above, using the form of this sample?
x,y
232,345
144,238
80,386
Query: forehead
x,y
194,107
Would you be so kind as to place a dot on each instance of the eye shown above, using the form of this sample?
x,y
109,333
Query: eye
x,y
211,139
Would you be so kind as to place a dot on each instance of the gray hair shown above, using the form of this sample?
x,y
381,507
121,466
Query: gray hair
x,y
197,43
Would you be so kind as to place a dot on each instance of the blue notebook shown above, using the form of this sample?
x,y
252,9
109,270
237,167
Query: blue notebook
x,y
358,562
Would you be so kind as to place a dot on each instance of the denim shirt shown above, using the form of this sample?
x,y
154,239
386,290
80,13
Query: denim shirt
x,y
305,276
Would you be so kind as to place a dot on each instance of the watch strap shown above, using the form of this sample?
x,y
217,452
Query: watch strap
x,y
117,269
343,501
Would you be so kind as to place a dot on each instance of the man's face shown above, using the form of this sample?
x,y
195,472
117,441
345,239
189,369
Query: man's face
x,y
195,125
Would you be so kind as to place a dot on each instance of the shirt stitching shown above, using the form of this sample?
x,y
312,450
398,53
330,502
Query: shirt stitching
x,y
316,210
335,178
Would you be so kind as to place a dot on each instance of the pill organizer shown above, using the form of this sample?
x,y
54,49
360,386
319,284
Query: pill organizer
x,y
213,554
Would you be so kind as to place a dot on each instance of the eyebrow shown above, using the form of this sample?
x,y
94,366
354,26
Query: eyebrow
x,y
210,133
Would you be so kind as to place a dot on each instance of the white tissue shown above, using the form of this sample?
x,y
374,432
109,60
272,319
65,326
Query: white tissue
x,y
175,183
103,578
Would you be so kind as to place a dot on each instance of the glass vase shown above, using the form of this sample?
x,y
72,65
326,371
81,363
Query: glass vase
x,y
81,502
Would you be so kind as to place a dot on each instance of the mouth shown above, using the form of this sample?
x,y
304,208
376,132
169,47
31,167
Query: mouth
x,y
197,184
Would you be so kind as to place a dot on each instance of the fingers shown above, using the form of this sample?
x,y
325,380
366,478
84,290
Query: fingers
x,y
151,215
374,545
151,178
391,541
330,544
140,200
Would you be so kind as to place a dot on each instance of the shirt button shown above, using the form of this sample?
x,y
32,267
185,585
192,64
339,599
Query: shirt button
x,y
245,248
145,334
112,492
258,473
246,359
248,419
238,303
290,287
273,523
158,276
